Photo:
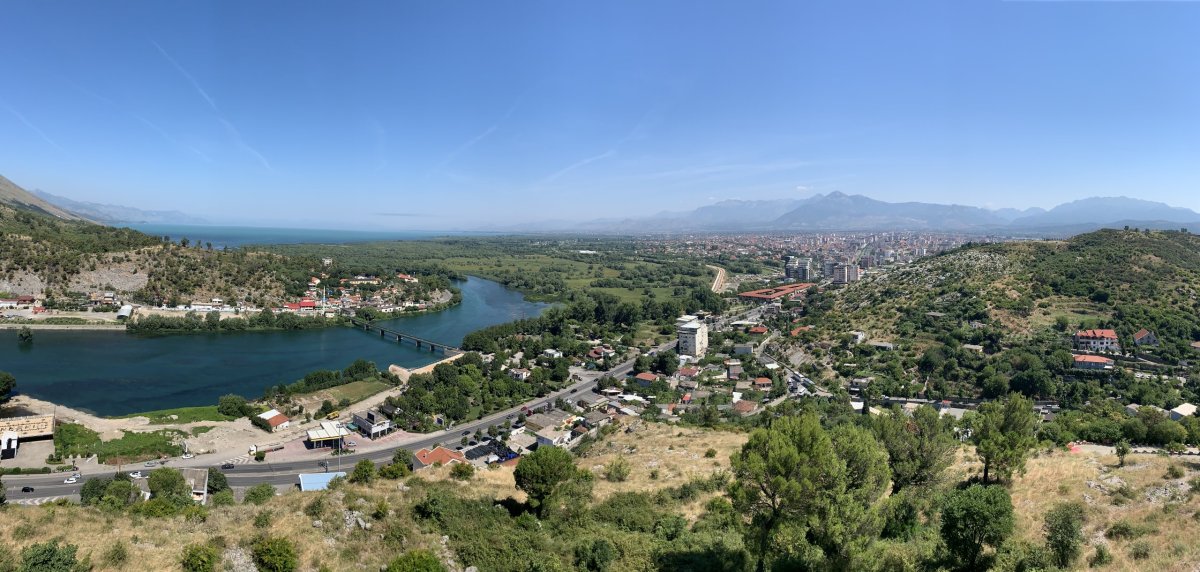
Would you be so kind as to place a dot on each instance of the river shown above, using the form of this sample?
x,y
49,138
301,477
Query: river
x,y
114,373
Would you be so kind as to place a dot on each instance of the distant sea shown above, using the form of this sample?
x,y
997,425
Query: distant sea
x,y
235,236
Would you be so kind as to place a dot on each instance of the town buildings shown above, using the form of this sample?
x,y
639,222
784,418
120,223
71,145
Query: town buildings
x,y
693,336
1097,340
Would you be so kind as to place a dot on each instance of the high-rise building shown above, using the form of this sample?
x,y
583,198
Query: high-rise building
x,y
845,273
799,268
693,336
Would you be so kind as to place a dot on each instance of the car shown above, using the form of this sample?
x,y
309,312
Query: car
x,y
187,456
574,389
151,463
351,444
472,443
136,475
70,480
509,416
458,448
467,432
26,489
77,475
226,466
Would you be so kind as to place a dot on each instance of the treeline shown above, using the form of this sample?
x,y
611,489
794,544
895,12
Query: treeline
x,y
212,322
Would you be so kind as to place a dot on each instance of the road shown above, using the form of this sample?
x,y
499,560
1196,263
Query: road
x,y
284,473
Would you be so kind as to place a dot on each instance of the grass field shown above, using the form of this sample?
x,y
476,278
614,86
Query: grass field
x,y
182,415
74,439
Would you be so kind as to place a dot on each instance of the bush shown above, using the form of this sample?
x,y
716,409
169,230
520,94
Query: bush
x,y
49,557
1124,530
200,558
462,471
416,561
1102,557
262,519
316,507
1064,533
617,470
710,453
116,555
259,494
275,555
1174,472
223,498
1139,550
595,556
364,472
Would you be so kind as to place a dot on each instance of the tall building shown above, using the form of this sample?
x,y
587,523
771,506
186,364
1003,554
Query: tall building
x,y
845,273
799,268
829,267
693,337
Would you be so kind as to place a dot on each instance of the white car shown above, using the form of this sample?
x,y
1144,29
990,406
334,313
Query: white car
x,y
351,444
187,456
136,475
71,480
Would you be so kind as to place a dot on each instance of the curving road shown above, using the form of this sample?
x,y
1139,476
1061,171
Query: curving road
x,y
51,486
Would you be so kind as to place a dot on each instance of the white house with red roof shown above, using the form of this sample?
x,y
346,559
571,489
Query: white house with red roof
x,y
1145,337
1097,340
1093,362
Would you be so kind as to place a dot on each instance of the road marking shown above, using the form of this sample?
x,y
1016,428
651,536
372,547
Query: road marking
x,y
40,500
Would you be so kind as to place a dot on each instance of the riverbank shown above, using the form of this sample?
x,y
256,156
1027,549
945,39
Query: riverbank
x,y
37,326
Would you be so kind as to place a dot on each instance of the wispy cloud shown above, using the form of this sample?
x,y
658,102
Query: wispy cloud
x,y
468,144
21,117
234,132
241,143
191,79
581,163
166,136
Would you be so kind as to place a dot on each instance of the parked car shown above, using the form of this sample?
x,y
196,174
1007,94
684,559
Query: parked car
x,y
187,456
351,444
226,466
26,489
136,475
467,432
70,480
151,463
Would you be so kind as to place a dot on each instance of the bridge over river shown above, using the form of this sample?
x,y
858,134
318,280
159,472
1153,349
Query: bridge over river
x,y
402,337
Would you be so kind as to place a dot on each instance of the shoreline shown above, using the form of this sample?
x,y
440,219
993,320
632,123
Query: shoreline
x,y
36,326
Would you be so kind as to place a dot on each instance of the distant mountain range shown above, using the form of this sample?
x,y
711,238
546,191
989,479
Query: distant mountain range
x,y
839,211
117,214
14,196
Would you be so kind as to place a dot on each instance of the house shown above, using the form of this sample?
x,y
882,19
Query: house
x,y
276,420
438,456
552,353
1093,362
743,349
745,408
687,372
197,480
406,278
885,346
521,442
552,419
645,378
519,374
596,419
1184,410
1145,337
763,384
318,481
372,423
973,347
1097,340
551,437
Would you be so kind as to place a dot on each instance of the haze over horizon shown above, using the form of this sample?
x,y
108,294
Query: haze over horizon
x,y
437,116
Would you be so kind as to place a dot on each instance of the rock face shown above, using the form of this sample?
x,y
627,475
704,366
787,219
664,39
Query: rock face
x,y
239,560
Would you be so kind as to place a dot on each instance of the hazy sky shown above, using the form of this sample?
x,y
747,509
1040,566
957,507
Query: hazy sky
x,y
462,113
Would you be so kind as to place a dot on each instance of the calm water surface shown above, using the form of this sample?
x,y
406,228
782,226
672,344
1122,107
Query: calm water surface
x,y
113,373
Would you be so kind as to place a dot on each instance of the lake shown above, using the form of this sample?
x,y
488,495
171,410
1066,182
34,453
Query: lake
x,y
114,373
235,236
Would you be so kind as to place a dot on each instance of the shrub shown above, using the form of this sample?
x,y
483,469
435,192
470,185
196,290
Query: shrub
x,y
364,472
710,453
223,498
49,557
1174,472
262,519
462,471
1139,550
416,561
617,470
199,558
116,555
260,456
381,510
275,555
595,556
1064,533
316,507
1124,530
1102,557
259,494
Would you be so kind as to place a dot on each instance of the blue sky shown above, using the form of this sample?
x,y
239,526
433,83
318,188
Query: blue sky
x,y
456,114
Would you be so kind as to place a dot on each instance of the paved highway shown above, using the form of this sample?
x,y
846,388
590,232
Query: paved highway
x,y
284,472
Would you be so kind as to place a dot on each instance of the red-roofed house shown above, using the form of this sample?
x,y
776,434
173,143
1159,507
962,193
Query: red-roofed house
x,y
758,330
275,419
688,372
1145,337
745,407
1093,362
1097,340
645,378
438,456
763,384
797,331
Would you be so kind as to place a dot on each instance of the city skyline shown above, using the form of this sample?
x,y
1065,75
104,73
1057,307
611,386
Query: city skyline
x,y
384,115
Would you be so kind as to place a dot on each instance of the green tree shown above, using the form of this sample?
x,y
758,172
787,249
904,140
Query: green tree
x,y
232,405
259,494
595,555
975,517
168,483
540,472
462,471
216,481
1003,432
416,561
7,384
1064,533
919,447
364,472
275,555
49,557
1122,450
25,336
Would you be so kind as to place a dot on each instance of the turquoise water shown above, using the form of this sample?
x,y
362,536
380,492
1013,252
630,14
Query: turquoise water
x,y
114,373
234,236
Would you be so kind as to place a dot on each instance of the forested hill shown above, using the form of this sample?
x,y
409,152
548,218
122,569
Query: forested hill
x,y
1121,279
